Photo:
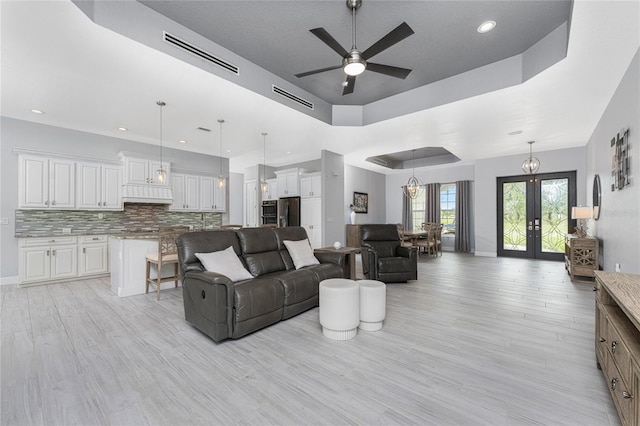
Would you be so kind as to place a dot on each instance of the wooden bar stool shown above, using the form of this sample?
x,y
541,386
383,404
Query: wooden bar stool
x,y
167,254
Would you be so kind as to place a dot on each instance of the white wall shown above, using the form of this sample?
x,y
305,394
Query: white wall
x,y
619,225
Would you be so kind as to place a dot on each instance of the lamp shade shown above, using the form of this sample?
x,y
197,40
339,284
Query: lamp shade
x,y
580,212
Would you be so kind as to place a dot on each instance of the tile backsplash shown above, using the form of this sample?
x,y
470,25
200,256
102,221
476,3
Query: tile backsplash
x,y
135,217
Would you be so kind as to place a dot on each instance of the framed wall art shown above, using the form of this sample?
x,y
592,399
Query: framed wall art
x,y
361,202
620,160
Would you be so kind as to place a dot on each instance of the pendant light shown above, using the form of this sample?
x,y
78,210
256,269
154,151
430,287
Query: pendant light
x,y
264,185
531,164
161,174
221,177
414,186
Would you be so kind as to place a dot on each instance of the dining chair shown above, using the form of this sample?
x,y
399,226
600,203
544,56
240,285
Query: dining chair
x,y
437,236
428,243
167,254
404,240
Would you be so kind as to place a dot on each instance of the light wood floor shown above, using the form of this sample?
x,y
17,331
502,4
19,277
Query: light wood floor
x,y
476,341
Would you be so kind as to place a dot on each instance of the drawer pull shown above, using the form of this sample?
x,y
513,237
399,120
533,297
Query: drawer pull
x,y
595,288
614,345
614,383
602,340
627,395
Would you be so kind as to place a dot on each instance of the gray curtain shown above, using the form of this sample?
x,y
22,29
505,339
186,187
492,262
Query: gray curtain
x,y
407,213
463,216
432,203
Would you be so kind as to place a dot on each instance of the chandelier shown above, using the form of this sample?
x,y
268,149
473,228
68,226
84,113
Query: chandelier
x,y
414,186
531,164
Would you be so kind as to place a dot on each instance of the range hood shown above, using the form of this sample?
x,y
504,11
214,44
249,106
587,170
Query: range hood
x,y
147,194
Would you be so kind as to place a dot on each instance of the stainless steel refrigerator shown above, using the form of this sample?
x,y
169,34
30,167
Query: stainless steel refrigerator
x,y
289,211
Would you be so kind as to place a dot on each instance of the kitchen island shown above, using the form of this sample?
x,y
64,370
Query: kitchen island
x,y
128,262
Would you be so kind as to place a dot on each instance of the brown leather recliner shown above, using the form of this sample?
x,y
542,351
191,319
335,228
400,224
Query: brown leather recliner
x,y
383,256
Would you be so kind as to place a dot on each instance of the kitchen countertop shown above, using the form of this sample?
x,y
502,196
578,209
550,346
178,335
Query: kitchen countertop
x,y
123,234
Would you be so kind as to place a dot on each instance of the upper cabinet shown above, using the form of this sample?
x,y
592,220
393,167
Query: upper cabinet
x,y
46,183
311,185
99,186
140,171
288,182
198,193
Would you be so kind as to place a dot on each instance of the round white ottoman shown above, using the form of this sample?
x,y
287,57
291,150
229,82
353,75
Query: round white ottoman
x,y
373,304
339,308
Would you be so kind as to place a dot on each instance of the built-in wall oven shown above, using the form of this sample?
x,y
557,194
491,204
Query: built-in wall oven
x,y
270,212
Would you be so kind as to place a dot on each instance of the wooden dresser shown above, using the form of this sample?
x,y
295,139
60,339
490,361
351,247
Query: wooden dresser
x,y
617,340
581,256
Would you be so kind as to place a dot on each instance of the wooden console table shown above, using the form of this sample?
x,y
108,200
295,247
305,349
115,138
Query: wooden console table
x,y
353,236
581,256
617,340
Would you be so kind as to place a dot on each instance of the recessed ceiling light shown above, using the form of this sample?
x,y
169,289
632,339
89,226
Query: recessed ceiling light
x,y
515,132
228,150
182,141
122,129
37,111
288,152
486,26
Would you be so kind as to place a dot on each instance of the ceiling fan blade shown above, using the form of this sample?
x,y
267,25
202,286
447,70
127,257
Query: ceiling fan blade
x,y
351,84
323,35
388,70
401,32
304,74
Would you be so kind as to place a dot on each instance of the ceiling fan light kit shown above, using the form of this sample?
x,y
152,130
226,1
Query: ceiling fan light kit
x,y
354,62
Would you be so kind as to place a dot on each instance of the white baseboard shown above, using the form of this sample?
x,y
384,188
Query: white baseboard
x,y
9,280
486,254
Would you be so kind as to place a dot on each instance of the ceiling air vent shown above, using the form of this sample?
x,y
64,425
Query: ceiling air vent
x,y
202,54
280,91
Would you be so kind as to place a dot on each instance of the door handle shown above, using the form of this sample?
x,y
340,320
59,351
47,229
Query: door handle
x,y
537,224
530,226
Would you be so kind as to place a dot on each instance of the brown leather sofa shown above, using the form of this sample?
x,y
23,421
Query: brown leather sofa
x,y
383,256
223,309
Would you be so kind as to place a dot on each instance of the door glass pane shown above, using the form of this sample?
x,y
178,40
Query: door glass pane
x,y
554,221
514,219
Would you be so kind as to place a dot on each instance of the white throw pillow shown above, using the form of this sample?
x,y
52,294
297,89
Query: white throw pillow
x,y
225,262
301,253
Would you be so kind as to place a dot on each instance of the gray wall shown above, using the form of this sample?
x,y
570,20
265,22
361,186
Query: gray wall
x,y
619,223
486,172
372,183
333,189
18,134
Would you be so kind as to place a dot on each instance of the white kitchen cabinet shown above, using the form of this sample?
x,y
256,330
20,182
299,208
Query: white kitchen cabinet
x,y
311,219
186,192
141,171
311,185
272,190
46,183
47,259
288,182
93,255
99,186
251,203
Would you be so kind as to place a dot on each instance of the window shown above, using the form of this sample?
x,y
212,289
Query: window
x,y
448,207
417,210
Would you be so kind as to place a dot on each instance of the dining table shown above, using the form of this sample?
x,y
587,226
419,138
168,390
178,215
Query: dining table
x,y
414,236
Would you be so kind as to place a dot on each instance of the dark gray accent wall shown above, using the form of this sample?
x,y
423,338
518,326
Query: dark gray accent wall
x,y
619,223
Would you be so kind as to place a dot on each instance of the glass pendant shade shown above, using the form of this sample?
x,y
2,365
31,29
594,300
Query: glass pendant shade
x,y
531,164
221,177
264,185
161,174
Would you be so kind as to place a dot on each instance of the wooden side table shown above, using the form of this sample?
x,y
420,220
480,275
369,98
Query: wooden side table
x,y
350,259
581,256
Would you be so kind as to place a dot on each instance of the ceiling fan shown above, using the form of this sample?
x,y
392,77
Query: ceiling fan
x,y
354,62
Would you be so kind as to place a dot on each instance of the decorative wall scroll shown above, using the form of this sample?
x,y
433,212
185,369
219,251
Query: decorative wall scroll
x,y
620,160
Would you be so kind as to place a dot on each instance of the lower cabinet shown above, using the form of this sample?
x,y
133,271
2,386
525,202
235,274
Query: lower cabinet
x,y
93,255
51,259
617,340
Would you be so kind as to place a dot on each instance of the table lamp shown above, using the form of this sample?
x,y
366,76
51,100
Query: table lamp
x,y
581,213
